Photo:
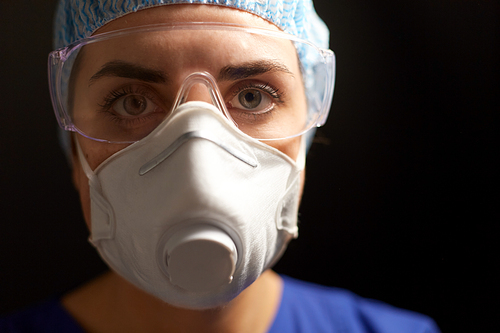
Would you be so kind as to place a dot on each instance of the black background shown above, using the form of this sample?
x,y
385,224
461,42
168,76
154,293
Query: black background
x,y
401,193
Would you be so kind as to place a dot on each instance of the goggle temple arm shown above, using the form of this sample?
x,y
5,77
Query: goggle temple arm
x,y
330,85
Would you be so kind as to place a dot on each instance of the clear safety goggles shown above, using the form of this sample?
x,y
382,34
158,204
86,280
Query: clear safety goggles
x,y
117,87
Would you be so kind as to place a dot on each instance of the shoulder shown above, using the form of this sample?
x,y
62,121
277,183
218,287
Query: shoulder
x,y
48,316
307,307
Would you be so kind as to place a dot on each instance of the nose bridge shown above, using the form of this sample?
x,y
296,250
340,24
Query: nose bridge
x,y
201,86
198,92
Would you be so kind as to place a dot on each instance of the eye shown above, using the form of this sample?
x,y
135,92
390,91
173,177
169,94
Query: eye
x,y
133,105
252,99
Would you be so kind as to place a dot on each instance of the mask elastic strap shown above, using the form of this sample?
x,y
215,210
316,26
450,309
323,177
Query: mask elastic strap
x,y
301,158
83,161
102,219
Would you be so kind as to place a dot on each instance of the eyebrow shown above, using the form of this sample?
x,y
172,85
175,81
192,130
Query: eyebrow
x,y
249,69
118,68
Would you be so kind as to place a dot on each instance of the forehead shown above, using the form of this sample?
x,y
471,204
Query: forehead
x,y
190,49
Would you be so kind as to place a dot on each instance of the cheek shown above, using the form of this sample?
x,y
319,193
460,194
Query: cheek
x,y
290,147
97,152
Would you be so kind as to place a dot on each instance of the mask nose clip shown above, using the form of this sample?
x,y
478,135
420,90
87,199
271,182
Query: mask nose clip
x,y
208,81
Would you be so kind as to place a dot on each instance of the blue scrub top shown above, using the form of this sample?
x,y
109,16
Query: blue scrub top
x,y
305,307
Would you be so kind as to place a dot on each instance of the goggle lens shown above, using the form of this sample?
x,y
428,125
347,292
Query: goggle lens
x,y
118,87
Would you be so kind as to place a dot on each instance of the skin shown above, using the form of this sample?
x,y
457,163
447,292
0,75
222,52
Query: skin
x,y
110,303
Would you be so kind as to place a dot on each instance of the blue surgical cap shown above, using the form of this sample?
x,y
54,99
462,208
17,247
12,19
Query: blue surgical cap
x,y
76,19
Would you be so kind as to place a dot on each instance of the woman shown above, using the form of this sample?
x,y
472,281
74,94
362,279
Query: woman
x,y
187,127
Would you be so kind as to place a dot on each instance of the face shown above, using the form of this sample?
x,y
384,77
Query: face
x,y
133,81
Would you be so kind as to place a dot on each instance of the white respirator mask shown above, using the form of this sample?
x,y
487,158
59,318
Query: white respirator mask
x,y
196,211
